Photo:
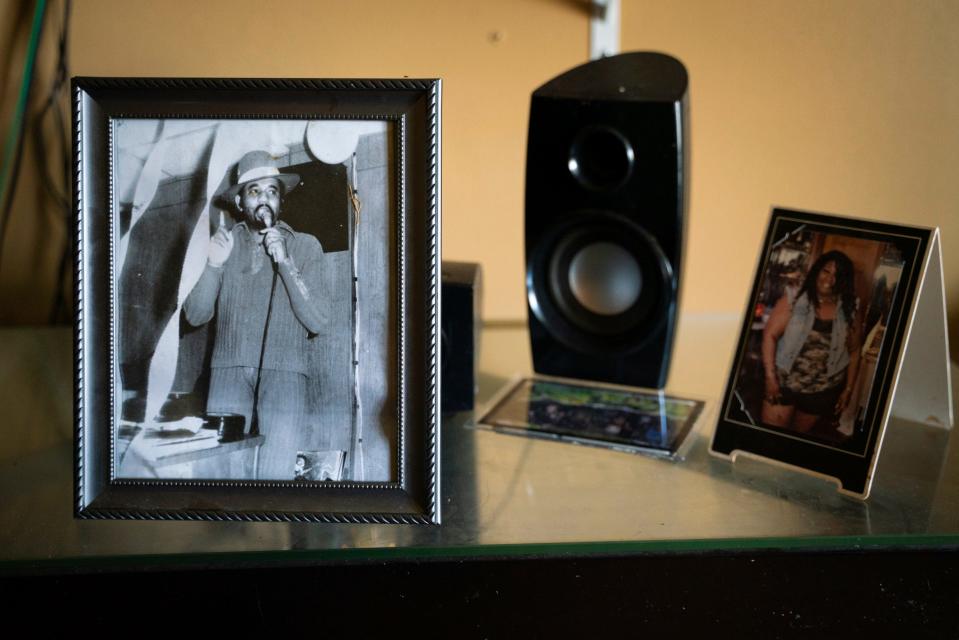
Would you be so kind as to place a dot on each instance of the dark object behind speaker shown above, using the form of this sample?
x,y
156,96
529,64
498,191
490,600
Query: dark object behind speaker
x,y
605,213
460,334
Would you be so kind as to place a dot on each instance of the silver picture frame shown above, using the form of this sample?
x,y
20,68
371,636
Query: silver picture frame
x,y
401,343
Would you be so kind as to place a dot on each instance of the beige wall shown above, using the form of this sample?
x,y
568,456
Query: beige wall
x,y
843,106
846,106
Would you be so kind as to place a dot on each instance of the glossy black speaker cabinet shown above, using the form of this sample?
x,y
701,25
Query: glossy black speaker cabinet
x,y
606,188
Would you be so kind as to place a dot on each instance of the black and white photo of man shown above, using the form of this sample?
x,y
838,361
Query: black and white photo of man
x,y
249,292
261,274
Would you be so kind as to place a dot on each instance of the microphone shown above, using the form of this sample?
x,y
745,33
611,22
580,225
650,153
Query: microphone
x,y
269,221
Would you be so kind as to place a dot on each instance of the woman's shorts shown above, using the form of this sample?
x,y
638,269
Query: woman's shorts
x,y
820,403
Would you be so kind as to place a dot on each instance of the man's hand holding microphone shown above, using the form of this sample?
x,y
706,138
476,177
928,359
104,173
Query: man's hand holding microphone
x,y
275,244
221,244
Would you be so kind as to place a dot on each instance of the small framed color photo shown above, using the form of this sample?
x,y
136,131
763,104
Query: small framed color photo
x,y
258,264
615,417
820,345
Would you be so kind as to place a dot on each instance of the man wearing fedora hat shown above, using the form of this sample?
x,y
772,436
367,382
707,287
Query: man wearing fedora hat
x,y
263,283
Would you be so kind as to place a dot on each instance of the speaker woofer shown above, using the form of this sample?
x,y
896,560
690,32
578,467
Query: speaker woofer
x,y
615,312
605,278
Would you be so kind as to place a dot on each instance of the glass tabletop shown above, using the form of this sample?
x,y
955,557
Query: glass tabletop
x,y
503,494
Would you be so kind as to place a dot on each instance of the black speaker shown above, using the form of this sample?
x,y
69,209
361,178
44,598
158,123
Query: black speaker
x,y
460,326
606,186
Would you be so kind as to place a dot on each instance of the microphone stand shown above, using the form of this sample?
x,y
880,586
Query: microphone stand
x,y
255,417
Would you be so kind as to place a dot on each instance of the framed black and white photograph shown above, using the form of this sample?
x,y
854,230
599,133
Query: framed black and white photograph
x,y
258,314
821,344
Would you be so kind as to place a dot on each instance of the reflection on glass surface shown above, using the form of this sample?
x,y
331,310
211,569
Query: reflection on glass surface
x,y
501,494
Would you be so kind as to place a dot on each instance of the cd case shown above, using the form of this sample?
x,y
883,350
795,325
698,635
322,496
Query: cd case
x,y
622,418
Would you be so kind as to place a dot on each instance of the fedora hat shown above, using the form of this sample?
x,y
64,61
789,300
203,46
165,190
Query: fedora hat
x,y
257,165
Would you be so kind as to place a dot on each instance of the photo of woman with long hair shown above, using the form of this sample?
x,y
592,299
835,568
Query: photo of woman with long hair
x,y
811,348
821,345
813,335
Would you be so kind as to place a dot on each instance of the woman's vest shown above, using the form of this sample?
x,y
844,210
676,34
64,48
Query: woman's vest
x,y
797,330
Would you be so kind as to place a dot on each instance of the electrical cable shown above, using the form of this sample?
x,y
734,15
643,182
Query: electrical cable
x,y
355,459
60,304
13,150
53,102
